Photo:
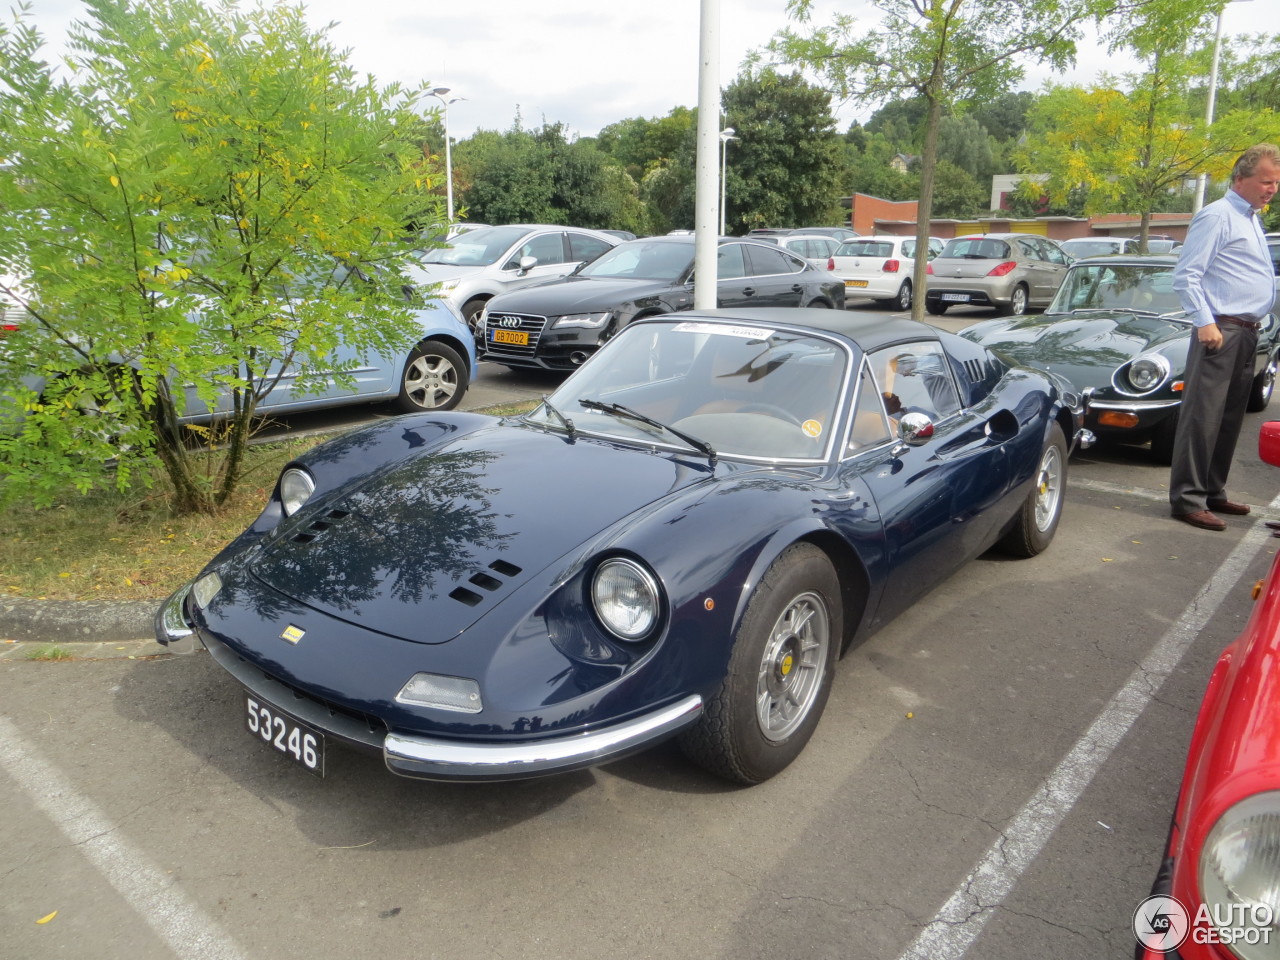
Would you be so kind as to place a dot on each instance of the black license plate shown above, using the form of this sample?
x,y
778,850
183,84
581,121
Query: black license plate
x,y
300,743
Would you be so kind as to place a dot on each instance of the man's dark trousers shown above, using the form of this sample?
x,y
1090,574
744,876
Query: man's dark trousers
x,y
1217,387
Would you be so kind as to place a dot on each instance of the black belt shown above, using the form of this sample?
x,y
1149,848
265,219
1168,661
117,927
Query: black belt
x,y
1237,321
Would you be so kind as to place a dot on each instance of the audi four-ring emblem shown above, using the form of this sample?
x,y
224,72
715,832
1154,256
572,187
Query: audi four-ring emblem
x,y
506,321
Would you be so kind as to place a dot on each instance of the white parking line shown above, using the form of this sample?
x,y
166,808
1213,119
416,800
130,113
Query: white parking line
x,y
958,923
171,915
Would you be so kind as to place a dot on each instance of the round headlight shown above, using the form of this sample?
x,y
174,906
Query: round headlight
x,y
1147,373
1240,876
296,487
626,600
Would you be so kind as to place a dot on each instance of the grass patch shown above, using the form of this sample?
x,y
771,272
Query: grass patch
x,y
107,545
49,651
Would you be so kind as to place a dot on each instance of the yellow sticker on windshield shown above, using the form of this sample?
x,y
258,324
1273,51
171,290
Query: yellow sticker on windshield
x,y
811,428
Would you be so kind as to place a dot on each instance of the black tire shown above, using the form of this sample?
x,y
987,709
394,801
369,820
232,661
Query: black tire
x,y
471,311
1264,385
1037,519
821,304
783,655
935,307
1162,440
901,301
434,378
1017,305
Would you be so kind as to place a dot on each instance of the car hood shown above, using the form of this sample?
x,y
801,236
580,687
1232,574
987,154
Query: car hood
x,y
577,295
1085,349
424,547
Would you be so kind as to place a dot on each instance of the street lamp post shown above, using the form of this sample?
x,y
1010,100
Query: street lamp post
x,y
725,136
1203,179
440,93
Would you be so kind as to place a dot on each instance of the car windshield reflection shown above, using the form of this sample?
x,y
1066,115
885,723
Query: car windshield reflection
x,y
1111,288
745,391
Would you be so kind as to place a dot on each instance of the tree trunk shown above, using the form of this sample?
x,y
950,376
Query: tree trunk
x,y
924,209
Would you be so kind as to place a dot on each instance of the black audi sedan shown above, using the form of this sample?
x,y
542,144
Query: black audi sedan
x,y
557,325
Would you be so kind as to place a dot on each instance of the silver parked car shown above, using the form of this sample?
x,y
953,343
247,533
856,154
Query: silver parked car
x,y
1008,271
478,265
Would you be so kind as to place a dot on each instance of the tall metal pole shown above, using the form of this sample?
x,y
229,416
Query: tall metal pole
x,y
725,136
440,93
705,237
1203,179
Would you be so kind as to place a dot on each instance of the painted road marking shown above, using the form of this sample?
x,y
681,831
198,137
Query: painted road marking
x,y
174,918
958,923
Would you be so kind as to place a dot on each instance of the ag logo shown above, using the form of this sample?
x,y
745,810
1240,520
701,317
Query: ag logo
x,y
1161,923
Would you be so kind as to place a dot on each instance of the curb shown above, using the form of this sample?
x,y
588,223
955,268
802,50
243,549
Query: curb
x,y
77,621
28,650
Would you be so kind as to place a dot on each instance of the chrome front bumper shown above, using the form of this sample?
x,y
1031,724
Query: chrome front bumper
x,y
428,758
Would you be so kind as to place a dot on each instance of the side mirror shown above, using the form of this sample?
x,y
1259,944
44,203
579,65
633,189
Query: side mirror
x,y
527,264
915,429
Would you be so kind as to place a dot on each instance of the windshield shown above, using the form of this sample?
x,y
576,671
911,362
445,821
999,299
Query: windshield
x,y
746,391
1117,287
642,260
476,248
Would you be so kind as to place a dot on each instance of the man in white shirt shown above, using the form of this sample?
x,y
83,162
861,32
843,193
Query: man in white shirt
x,y
1226,283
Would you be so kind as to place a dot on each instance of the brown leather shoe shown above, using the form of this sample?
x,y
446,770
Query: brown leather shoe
x,y
1202,519
1228,506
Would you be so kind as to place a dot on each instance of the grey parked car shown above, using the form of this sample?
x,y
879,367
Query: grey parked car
x,y
478,265
1008,271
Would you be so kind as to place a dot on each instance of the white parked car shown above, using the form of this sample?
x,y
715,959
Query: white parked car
x,y
815,248
880,267
475,266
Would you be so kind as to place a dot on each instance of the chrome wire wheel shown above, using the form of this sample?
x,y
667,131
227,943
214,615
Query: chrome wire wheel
x,y
1049,483
793,665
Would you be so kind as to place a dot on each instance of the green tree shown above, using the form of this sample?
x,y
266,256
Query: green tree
x,y
964,143
188,206
782,169
948,53
1133,149
959,194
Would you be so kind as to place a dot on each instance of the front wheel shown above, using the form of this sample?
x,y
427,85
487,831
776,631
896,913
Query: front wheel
x,y
434,378
779,673
1264,384
1038,517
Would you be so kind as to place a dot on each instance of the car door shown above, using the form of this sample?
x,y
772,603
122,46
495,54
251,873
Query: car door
x,y
937,500
550,251
777,277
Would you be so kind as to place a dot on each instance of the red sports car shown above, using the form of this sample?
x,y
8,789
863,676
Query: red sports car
x,y
1217,896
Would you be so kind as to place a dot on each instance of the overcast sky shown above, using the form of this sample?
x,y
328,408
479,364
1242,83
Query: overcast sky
x,y
585,63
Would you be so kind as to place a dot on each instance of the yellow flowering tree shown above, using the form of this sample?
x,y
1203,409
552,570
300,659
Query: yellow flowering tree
x,y
199,196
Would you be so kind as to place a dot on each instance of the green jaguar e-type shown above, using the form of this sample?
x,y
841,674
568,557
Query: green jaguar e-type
x,y
1117,331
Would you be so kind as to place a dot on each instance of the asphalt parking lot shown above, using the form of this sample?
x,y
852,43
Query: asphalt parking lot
x,y
993,779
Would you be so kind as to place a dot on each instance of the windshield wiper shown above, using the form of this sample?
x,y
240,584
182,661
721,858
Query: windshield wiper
x,y
619,410
568,424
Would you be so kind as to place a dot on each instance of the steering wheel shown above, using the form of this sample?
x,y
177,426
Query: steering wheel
x,y
772,410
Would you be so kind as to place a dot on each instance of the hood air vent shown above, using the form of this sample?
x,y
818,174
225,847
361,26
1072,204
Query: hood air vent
x,y
484,581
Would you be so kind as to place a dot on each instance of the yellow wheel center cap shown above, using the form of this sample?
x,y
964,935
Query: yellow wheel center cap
x,y
787,663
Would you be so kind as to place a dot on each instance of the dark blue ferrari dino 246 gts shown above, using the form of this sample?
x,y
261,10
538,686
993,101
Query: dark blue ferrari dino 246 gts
x,y
680,541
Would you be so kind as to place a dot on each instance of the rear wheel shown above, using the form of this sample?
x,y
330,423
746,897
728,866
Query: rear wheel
x,y
434,378
821,304
1017,302
779,672
900,301
935,307
1039,514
